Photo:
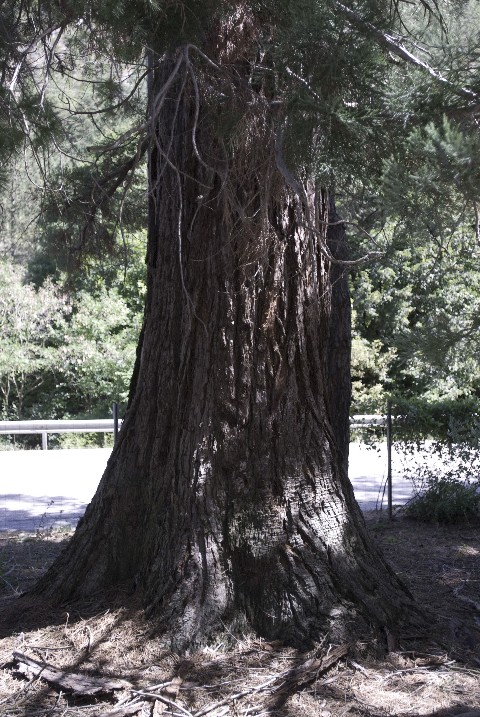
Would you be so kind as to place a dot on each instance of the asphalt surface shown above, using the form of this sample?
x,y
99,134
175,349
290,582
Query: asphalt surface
x,y
50,489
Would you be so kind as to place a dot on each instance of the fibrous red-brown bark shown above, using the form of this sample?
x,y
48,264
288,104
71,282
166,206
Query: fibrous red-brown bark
x,y
227,497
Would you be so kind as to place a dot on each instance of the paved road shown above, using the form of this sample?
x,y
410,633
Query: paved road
x,y
41,489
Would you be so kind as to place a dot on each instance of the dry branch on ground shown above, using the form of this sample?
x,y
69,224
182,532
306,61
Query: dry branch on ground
x,y
69,681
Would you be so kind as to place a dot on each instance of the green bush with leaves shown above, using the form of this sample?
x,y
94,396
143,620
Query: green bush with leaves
x,y
31,322
97,354
369,366
446,500
450,421
439,442
65,355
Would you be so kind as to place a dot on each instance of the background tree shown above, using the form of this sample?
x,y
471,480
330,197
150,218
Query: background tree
x,y
63,355
417,310
50,156
30,321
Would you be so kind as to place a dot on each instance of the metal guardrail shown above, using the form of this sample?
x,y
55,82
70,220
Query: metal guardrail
x,y
368,420
102,425
108,425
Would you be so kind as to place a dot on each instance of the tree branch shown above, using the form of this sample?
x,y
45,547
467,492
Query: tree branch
x,y
392,44
25,53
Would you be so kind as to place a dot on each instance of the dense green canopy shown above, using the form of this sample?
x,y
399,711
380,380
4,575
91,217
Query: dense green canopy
x,y
355,78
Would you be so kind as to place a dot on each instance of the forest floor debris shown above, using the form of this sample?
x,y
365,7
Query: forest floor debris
x,y
438,674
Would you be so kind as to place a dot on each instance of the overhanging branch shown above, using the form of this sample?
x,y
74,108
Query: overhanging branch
x,y
390,43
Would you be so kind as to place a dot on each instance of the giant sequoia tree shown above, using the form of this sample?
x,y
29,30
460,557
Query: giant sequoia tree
x,y
226,498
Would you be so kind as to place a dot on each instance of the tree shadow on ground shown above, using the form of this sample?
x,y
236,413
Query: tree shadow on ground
x,y
25,556
30,513
441,566
76,648
109,636
227,677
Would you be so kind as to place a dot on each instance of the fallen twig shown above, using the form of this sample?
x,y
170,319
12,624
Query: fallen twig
x,y
288,679
308,672
72,682
125,711
165,700
237,696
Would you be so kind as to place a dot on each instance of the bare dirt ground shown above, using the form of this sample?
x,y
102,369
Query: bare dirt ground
x,y
95,661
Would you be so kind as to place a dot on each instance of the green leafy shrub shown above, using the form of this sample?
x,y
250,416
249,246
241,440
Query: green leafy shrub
x,y
446,500
64,355
32,323
447,420
439,445
65,441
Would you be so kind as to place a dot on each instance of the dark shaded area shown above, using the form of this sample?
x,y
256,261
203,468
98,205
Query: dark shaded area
x,y
441,565
24,557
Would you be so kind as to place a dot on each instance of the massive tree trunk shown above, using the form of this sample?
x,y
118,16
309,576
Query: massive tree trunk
x,y
227,499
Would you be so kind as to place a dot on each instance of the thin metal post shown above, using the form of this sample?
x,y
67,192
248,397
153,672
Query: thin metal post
x,y
389,460
115,422
44,441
